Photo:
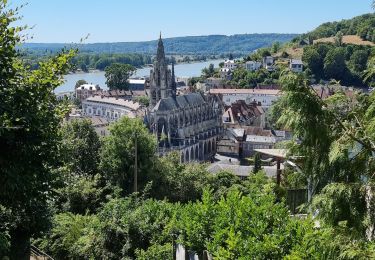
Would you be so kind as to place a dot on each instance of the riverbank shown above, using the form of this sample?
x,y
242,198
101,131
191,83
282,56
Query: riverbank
x,y
97,77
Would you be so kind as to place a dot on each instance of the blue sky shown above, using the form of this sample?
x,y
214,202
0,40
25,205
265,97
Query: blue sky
x,y
139,20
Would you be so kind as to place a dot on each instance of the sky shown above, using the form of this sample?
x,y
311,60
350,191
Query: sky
x,y
67,21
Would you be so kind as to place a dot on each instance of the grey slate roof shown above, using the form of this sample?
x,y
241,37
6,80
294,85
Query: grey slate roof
x,y
184,101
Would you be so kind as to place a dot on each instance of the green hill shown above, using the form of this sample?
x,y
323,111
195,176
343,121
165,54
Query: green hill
x,y
363,26
211,44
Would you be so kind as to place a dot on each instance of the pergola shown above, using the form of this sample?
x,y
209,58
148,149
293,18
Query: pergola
x,y
277,154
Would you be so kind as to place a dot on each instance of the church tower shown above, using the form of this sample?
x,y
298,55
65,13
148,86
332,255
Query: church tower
x,y
162,81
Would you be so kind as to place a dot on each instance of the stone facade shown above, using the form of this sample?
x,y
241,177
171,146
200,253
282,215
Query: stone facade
x,y
110,108
190,124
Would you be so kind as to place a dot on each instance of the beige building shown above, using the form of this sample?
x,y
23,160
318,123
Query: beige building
x,y
110,108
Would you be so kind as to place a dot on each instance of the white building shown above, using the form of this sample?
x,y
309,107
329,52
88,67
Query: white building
x,y
225,74
296,65
268,63
86,90
265,97
253,65
230,64
257,142
137,83
111,108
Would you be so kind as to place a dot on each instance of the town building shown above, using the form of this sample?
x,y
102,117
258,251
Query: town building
x,y
266,97
225,74
110,108
189,124
253,142
231,143
296,65
241,114
253,65
214,82
268,63
230,64
137,83
86,90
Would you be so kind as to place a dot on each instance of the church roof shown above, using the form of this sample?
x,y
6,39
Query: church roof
x,y
184,101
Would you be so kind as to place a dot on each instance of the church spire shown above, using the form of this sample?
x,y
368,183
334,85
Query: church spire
x,y
173,84
160,56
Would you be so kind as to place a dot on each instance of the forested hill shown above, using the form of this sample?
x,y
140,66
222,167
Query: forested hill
x,y
211,44
362,26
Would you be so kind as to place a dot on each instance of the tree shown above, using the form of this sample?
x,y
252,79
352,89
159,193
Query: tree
x,y
338,38
79,149
29,119
358,61
334,63
257,163
118,153
117,75
337,142
275,47
313,60
79,83
209,72
181,182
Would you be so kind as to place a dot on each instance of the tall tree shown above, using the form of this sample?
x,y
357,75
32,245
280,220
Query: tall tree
x,y
79,147
337,144
29,121
117,156
117,75
334,63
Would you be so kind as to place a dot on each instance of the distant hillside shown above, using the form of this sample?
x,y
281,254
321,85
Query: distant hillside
x,y
211,44
362,26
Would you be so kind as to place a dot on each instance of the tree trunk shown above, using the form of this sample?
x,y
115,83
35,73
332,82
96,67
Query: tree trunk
x,y
20,245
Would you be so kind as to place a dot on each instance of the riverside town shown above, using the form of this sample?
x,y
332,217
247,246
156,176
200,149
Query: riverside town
x,y
163,130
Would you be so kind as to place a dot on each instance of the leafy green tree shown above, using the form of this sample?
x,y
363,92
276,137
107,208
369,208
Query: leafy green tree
x,y
117,75
79,147
275,47
29,119
143,100
313,60
181,182
79,83
358,61
63,240
117,156
337,142
334,63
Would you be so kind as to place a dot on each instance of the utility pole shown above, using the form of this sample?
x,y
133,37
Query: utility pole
x,y
135,163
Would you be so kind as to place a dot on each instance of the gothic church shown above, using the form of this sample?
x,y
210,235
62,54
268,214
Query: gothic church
x,y
189,124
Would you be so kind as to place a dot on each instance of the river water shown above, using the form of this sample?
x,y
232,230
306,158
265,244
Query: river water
x,y
97,77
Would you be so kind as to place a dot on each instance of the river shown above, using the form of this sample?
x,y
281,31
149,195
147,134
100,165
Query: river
x,y
97,77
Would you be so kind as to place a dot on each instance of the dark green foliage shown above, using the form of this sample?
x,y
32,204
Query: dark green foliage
x,y
257,163
79,83
361,25
29,121
117,76
334,63
180,182
345,64
117,153
79,149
